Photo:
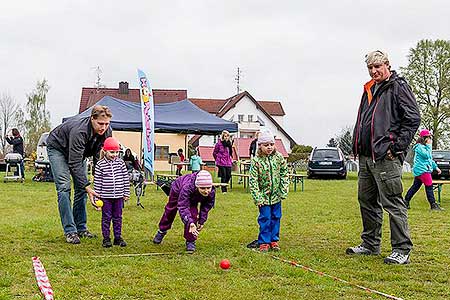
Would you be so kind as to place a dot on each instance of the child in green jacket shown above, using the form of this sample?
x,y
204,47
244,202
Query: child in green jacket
x,y
269,184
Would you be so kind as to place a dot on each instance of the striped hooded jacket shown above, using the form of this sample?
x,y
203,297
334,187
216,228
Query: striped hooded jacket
x,y
111,180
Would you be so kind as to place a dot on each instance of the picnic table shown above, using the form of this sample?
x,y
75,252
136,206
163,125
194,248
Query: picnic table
x,y
183,163
297,178
437,185
245,179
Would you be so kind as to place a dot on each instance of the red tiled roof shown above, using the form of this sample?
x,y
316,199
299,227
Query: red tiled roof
x,y
206,153
243,145
274,108
214,106
90,96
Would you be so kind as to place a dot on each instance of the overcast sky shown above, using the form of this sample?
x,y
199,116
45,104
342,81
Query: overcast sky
x,y
309,55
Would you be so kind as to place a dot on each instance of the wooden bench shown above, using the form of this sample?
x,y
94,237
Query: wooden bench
x,y
437,185
245,178
297,178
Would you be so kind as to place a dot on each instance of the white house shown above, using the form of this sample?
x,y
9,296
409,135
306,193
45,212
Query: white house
x,y
251,116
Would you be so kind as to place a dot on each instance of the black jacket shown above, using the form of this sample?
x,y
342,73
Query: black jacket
x,y
393,119
252,149
17,143
76,140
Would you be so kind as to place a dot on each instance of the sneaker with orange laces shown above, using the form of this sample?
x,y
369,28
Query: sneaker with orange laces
x,y
274,246
264,247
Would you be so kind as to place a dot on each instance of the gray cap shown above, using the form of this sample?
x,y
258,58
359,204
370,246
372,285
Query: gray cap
x,y
377,57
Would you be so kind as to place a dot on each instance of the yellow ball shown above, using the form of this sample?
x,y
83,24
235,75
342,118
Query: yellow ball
x,y
99,203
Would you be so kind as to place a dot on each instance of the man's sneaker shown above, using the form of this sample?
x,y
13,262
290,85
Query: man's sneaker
x,y
397,258
436,206
263,247
190,246
107,243
159,237
253,245
361,250
86,234
120,242
72,238
274,246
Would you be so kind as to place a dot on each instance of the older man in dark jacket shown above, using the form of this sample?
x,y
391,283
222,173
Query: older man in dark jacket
x,y
68,146
388,118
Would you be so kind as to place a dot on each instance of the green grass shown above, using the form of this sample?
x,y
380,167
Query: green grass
x,y
317,226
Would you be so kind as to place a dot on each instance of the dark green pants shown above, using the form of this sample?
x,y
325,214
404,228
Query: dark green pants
x,y
380,186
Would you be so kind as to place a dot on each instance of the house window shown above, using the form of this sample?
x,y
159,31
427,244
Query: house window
x,y
250,118
240,118
162,153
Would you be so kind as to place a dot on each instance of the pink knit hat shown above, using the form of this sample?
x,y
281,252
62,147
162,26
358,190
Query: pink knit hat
x,y
425,132
204,179
266,136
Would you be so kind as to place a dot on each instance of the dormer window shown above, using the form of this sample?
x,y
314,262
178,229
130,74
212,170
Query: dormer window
x,y
250,118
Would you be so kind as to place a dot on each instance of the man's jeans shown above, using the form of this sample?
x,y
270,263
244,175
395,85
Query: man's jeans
x,y
73,220
380,186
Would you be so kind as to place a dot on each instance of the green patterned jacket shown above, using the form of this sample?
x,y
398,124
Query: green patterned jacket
x,y
269,181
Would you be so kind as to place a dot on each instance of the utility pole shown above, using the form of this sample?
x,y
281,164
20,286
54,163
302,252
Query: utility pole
x,y
98,82
237,79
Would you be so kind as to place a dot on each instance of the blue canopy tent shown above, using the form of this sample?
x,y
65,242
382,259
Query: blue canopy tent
x,y
175,117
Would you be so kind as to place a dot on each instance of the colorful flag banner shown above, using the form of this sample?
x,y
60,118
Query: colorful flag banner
x,y
148,121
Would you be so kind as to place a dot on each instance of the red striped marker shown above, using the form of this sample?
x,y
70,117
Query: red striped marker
x,y
42,279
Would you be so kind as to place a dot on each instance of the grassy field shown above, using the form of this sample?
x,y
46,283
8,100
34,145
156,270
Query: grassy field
x,y
317,226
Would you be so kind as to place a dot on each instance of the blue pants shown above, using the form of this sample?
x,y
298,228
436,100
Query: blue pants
x,y
72,219
269,223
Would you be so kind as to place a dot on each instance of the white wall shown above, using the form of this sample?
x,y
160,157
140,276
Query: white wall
x,y
246,106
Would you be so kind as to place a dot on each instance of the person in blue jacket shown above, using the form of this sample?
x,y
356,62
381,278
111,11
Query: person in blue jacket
x,y
423,166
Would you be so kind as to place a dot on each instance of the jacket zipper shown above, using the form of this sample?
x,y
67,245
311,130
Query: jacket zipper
x,y
371,128
271,181
357,129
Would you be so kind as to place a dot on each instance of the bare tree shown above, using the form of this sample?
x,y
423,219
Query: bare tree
x,y
8,109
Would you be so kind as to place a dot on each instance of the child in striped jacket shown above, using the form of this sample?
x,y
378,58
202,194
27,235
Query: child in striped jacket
x,y
112,184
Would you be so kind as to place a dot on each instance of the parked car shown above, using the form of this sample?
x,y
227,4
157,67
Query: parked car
x,y
329,161
442,159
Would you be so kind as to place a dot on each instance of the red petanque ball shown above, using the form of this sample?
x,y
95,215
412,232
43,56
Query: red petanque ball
x,y
225,264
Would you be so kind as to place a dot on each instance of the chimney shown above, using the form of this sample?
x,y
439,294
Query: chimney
x,y
123,87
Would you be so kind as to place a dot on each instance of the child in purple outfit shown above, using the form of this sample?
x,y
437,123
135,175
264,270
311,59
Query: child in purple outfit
x,y
186,192
112,183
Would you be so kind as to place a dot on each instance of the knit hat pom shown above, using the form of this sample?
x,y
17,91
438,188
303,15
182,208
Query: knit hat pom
x,y
204,179
266,136
111,144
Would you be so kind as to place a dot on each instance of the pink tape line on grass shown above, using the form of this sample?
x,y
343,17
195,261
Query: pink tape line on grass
x,y
42,279
295,264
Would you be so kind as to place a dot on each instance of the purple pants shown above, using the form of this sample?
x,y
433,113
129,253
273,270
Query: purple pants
x,y
112,210
170,211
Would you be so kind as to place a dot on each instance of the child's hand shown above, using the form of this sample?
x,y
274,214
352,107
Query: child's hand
x,y
126,199
438,171
200,227
193,229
